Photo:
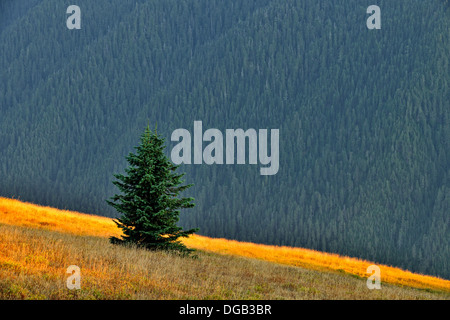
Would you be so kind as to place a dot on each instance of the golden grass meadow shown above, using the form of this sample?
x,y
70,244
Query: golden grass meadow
x,y
38,244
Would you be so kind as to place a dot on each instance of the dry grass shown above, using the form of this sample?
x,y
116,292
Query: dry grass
x,y
37,244
33,265
14,212
317,260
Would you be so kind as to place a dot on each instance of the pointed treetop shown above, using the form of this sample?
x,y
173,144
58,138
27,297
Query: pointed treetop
x,y
148,127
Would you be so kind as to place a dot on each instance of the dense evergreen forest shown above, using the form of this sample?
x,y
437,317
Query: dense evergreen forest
x,y
364,115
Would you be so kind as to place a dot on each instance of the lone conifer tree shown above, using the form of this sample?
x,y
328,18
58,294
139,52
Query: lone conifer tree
x,y
149,201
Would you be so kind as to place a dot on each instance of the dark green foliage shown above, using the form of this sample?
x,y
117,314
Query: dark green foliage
x,y
149,202
364,116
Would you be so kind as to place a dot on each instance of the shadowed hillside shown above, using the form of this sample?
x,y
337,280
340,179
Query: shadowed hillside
x,y
363,115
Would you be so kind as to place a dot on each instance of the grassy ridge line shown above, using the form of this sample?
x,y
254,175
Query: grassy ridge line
x,y
33,265
14,212
317,260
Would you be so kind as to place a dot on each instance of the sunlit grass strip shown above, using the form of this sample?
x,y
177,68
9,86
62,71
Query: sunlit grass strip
x,y
33,264
18,213
316,260
14,212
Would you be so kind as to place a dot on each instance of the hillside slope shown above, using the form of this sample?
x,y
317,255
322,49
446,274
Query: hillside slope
x,y
363,115
39,243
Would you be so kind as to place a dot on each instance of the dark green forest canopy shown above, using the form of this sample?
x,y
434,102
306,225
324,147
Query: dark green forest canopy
x,y
363,114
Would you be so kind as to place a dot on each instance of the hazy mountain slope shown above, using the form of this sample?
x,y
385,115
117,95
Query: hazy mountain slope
x,y
11,11
363,115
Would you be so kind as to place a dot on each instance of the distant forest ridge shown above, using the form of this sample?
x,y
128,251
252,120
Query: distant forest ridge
x,y
363,115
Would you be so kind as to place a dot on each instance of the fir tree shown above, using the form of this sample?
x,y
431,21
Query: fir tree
x,y
149,202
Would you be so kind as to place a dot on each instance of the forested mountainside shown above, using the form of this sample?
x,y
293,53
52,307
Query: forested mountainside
x,y
364,115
